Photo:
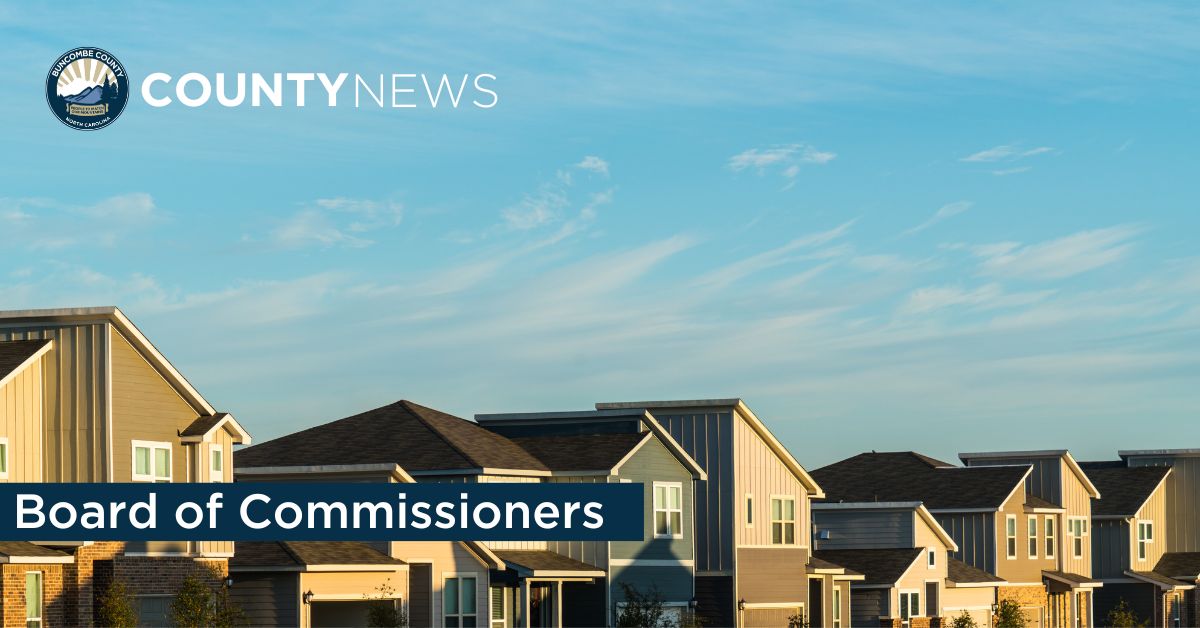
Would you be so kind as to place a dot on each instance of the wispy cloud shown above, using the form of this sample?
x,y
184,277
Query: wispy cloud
x,y
336,222
40,224
592,163
945,211
778,256
787,159
988,296
1058,258
1005,152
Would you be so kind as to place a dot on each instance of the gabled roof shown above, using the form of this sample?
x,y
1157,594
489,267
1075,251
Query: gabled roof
x,y
117,319
1034,503
1125,489
497,421
419,439
583,452
1181,565
817,566
739,407
909,476
308,556
1159,580
1062,454
202,427
962,574
16,355
880,566
1073,580
544,563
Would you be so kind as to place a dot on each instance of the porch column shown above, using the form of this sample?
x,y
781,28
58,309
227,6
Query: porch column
x,y
558,585
524,604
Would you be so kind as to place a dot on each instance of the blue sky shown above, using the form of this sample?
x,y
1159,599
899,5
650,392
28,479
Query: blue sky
x,y
936,227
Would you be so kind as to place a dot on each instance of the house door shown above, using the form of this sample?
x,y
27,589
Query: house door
x,y
931,599
541,605
420,594
816,599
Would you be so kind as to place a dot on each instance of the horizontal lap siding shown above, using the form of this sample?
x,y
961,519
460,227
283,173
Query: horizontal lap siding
x,y
653,462
590,552
865,530
75,399
267,599
772,575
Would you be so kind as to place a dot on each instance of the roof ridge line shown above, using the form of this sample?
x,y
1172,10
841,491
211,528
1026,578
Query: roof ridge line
x,y
287,547
469,458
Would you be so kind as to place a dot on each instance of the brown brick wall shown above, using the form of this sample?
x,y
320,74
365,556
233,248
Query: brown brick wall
x,y
12,594
1032,600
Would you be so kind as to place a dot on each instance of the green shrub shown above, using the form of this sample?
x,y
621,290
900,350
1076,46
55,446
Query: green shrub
x,y
1009,615
115,607
1121,616
964,620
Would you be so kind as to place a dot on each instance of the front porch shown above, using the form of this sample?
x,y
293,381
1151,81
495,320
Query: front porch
x,y
542,589
1069,599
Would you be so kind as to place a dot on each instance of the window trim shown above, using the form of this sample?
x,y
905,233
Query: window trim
x,y
931,558
1031,530
794,521
1050,528
1010,537
1083,534
152,446
41,578
900,605
1143,550
493,621
216,451
459,575
667,509
749,510
837,607
5,450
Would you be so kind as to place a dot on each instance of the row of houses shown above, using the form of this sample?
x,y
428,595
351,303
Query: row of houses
x,y
737,531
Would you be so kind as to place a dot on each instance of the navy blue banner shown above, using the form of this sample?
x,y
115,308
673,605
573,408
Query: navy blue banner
x,y
321,512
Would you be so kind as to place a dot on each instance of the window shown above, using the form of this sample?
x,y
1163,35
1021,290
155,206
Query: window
x,y
668,510
33,599
1145,537
783,520
749,510
837,608
1050,536
151,461
3,458
1010,533
1033,536
1077,529
910,605
458,601
931,558
1176,609
499,608
217,465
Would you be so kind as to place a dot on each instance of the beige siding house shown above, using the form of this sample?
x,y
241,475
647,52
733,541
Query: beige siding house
x,y
1059,487
85,397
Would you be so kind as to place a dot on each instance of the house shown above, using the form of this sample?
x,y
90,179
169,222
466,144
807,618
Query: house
x,y
910,578
512,584
999,526
754,562
86,397
663,561
1179,540
1128,533
1060,491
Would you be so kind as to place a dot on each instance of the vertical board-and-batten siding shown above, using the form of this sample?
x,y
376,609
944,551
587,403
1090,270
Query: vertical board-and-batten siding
x,y
1078,503
1110,548
1182,511
590,552
75,398
145,407
708,438
975,534
1044,481
21,423
759,472
859,529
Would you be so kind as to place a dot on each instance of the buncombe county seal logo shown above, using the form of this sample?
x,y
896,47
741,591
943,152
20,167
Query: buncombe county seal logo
x,y
87,88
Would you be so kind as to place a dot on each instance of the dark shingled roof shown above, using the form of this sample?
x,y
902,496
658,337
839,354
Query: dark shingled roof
x,y
880,566
303,553
909,476
1123,490
26,549
959,572
1185,565
1159,579
404,433
202,425
1066,576
586,452
13,353
1033,501
543,560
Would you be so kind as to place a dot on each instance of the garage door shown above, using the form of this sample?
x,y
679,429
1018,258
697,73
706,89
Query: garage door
x,y
339,614
768,617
